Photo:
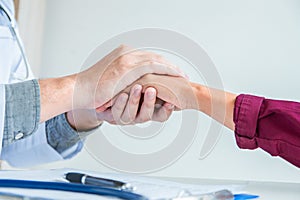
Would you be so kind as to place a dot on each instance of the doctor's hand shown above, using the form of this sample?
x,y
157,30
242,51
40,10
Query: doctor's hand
x,y
127,108
100,83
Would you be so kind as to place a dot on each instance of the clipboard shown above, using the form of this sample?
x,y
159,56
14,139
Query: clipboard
x,y
147,188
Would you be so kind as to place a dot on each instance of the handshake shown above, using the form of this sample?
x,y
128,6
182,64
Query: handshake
x,y
126,87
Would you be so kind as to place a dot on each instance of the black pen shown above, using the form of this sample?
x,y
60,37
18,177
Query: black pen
x,y
85,179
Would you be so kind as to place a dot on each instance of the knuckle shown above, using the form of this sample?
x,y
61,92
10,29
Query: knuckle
x,y
124,60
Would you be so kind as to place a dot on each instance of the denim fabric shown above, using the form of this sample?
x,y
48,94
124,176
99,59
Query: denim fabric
x,y
60,134
22,110
22,115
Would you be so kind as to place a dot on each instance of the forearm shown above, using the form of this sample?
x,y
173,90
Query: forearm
x,y
56,96
215,103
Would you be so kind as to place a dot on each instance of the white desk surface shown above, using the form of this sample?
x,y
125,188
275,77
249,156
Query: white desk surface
x,y
266,190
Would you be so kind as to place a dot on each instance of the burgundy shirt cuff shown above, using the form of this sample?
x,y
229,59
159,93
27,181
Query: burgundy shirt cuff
x,y
246,112
272,125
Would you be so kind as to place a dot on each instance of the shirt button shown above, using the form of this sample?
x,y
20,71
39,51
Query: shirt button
x,y
19,136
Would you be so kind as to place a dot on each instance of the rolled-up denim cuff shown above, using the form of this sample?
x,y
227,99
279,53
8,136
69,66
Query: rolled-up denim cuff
x,y
61,136
22,110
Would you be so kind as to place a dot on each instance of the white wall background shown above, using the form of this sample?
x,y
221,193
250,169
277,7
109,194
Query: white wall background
x,y
31,27
254,44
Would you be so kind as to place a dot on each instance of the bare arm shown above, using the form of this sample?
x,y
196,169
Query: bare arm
x,y
56,96
215,103
187,95
272,125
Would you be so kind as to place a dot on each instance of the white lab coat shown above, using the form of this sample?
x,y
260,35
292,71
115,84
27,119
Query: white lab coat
x,y
33,149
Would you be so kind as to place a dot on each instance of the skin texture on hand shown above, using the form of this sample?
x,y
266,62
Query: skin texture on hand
x,y
175,90
132,108
127,109
97,85
183,94
119,69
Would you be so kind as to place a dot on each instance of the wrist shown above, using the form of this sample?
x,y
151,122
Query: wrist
x,y
56,96
203,97
82,120
217,104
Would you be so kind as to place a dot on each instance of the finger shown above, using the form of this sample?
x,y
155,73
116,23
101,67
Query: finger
x,y
162,60
132,106
163,113
157,67
147,108
118,107
107,105
150,56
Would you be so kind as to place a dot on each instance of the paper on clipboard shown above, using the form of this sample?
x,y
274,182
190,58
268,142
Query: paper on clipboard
x,y
149,187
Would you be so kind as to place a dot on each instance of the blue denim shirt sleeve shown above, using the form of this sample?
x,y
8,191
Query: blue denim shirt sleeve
x,y
22,110
22,116
60,135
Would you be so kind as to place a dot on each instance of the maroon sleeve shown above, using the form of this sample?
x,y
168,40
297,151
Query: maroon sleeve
x,y
272,125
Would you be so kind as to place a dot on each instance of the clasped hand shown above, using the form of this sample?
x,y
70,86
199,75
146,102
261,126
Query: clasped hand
x,y
127,87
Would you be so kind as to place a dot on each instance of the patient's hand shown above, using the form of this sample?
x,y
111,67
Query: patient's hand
x,y
175,90
131,107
